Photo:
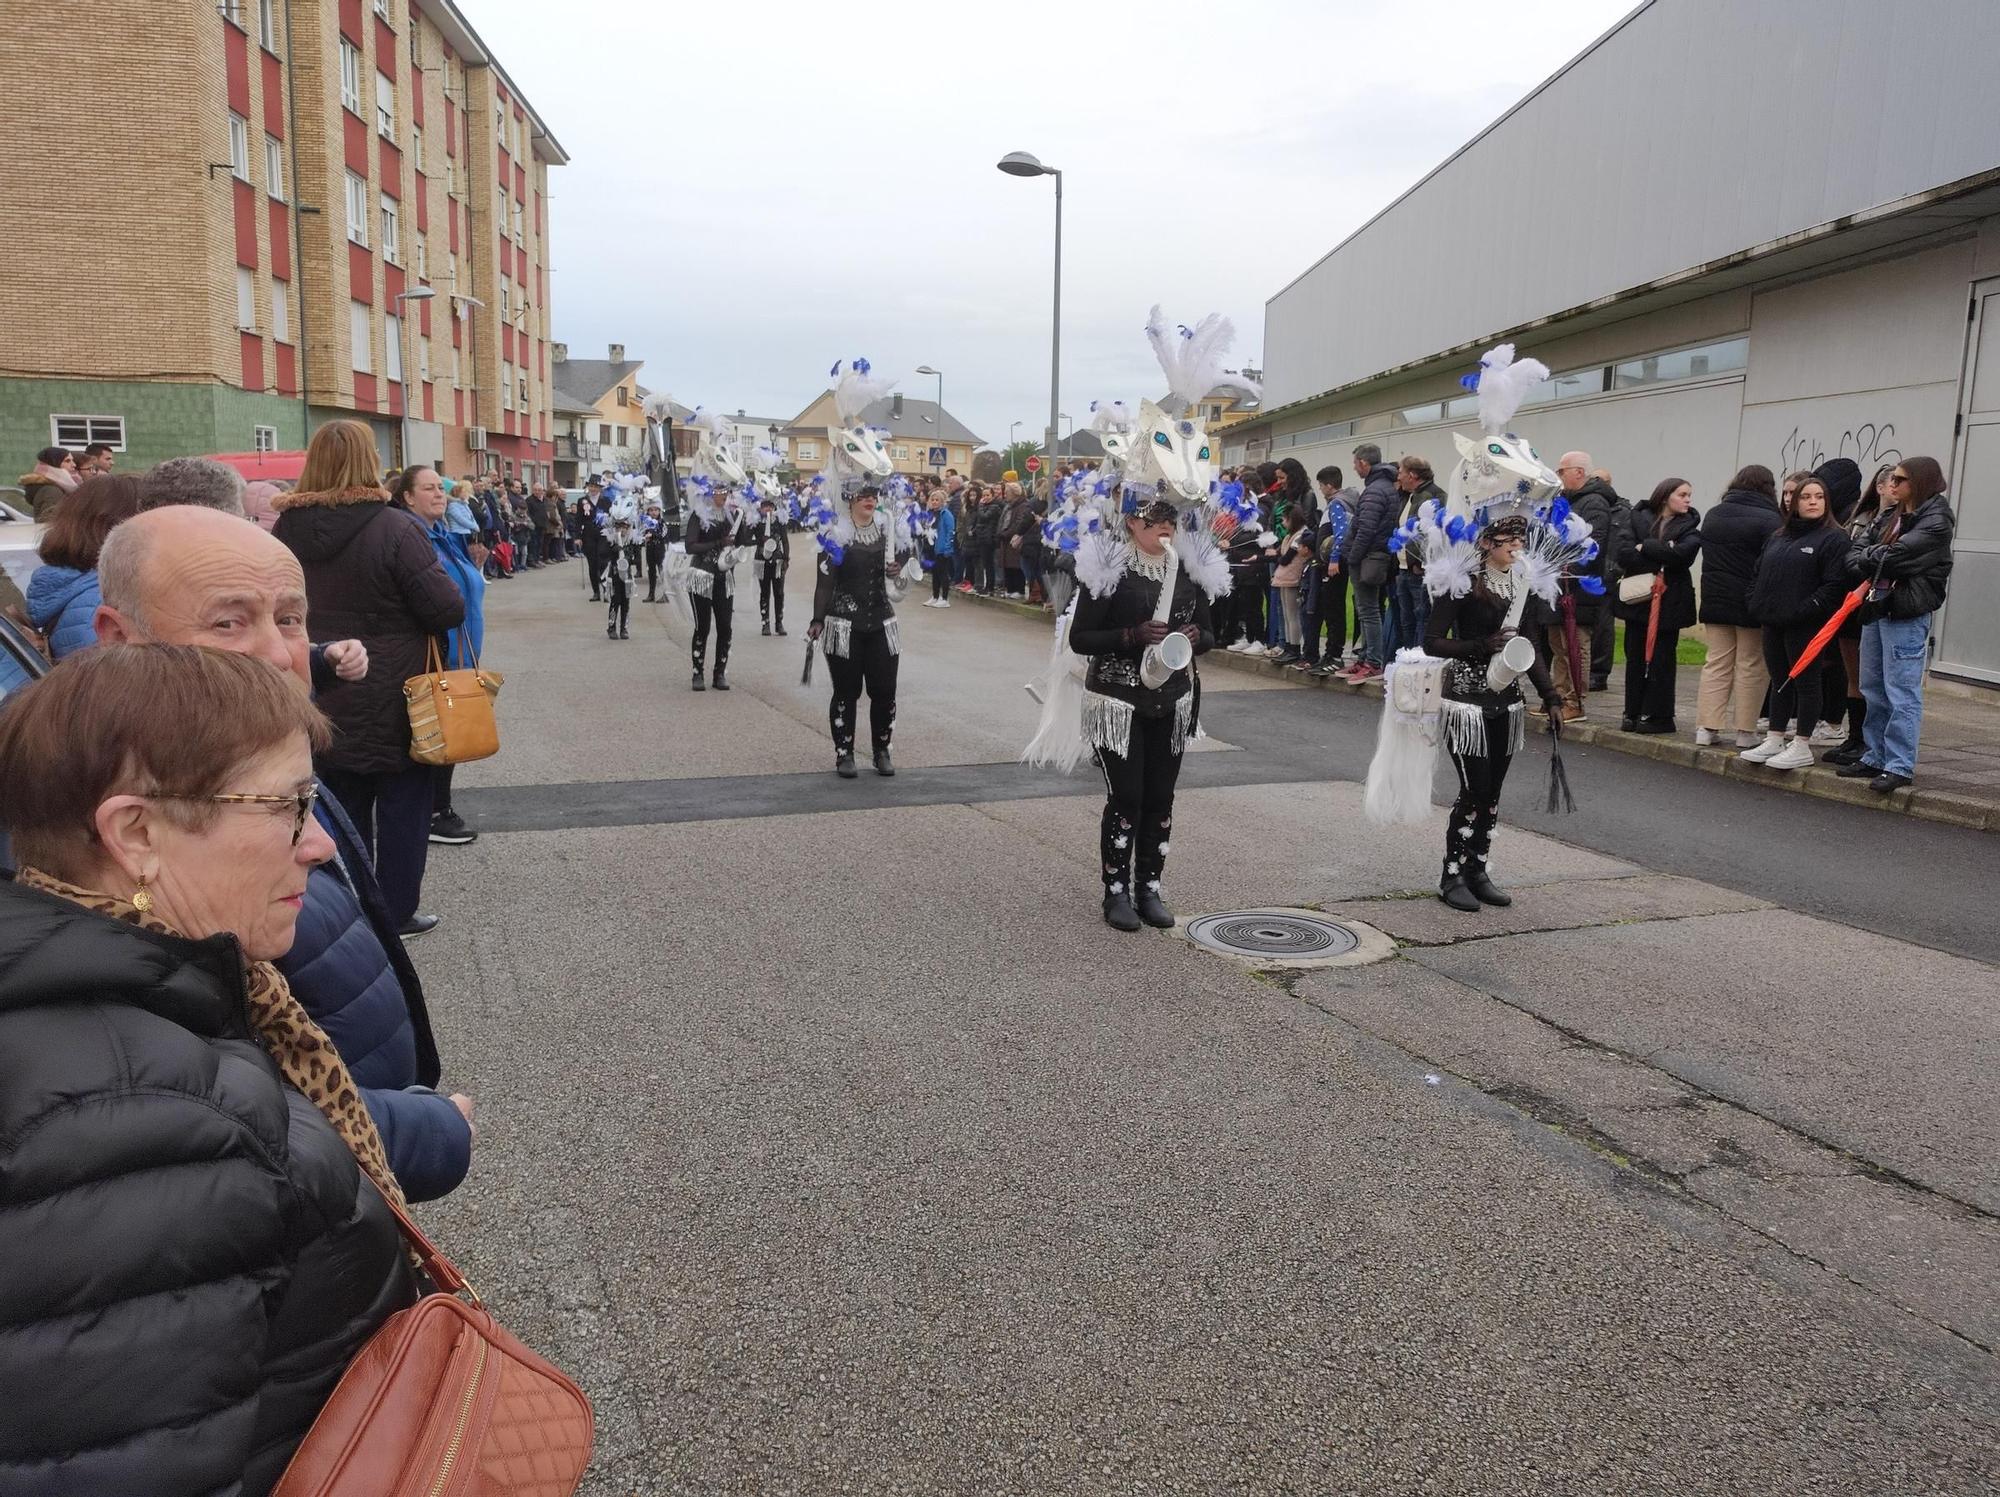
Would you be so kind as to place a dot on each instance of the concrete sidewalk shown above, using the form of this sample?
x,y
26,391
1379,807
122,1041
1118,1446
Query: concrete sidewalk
x,y
1958,756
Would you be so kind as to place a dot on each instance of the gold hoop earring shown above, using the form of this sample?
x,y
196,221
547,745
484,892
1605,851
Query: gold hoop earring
x,y
142,899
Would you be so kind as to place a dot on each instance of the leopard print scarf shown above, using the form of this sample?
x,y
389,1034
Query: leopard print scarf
x,y
305,1056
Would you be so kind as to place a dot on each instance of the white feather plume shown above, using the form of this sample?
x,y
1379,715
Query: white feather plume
x,y
1112,415
1193,359
1504,382
1101,559
659,407
714,423
854,390
1204,562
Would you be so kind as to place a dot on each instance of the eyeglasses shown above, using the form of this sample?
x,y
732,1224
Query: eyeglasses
x,y
302,804
1897,478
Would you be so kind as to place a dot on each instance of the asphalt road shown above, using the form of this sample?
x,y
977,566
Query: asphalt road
x,y
836,1145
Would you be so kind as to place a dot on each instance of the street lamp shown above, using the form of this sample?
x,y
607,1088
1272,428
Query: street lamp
x,y
422,293
1021,164
926,369
1012,442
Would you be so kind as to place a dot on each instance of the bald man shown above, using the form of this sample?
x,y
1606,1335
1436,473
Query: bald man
x,y
191,576
1593,501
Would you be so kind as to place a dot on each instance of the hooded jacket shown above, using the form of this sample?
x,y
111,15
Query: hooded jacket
x,y
192,1254
1375,513
43,494
1732,539
62,603
1802,574
371,575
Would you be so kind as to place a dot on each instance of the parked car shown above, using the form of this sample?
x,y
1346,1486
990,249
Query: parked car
x,y
20,548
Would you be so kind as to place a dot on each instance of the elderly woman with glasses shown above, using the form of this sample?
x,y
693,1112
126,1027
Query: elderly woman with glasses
x,y
1905,556
194,1203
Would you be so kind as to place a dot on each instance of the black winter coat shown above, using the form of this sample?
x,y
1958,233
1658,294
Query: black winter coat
x,y
1598,505
1916,564
1375,515
1802,575
372,574
1672,554
192,1256
1732,538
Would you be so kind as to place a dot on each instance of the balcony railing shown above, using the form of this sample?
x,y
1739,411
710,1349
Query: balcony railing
x,y
582,451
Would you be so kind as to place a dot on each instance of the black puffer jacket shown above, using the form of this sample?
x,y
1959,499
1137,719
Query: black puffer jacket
x,y
372,574
1671,555
1597,504
1802,574
1916,563
192,1256
1375,514
1732,538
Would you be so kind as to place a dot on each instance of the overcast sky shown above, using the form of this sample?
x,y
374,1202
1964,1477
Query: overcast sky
x,y
757,189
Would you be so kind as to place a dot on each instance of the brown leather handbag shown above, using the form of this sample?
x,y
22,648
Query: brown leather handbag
x,y
451,712
443,1402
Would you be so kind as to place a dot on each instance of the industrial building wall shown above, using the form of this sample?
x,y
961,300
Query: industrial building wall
x,y
1695,130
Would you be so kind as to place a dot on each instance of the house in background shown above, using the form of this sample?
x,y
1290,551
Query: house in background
x,y
600,410
923,438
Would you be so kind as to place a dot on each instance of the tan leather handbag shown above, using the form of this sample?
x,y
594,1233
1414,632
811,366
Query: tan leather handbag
x,y
443,1402
451,713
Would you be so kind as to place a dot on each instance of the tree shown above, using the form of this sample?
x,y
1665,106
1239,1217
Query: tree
x,y
1016,457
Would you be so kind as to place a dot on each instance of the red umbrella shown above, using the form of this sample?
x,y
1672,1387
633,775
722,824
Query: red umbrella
x,y
1653,615
1827,630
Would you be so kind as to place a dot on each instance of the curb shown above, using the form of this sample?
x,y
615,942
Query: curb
x,y
1948,807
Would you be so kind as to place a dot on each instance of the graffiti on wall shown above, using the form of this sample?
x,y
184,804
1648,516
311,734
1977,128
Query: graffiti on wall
x,y
1870,445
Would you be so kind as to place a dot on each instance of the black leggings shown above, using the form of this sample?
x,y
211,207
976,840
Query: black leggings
x,y
868,664
1138,806
1468,831
722,609
770,596
1783,644
620,615
1649,687
940,579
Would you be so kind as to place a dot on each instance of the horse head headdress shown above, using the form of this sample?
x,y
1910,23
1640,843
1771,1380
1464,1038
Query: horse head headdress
x,y
855,448
1174,452
715,450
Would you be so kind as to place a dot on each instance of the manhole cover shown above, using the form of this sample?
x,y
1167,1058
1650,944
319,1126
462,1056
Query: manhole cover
x,y
1275,937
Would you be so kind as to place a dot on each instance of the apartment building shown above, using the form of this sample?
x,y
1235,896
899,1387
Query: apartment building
x,y
297,226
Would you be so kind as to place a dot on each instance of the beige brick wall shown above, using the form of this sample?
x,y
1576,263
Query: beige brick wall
x,y
120,260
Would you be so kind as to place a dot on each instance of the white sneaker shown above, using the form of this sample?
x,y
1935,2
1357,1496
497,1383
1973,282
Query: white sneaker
x,y
1239,647
1763,725
1770,748
1826,735
1256,650
1749,740
1703,737
946,603
1797,754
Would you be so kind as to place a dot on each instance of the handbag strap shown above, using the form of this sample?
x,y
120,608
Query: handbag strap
x,y
439,1269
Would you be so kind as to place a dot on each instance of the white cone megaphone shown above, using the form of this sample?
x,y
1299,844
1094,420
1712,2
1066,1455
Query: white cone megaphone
x,y
1516,659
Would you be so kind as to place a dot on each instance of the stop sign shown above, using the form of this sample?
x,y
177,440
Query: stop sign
x,y
1034,464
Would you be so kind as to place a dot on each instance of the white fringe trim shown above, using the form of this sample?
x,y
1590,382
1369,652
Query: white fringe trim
x,y
892,632
1462,726
1183,720
1107,723
837,638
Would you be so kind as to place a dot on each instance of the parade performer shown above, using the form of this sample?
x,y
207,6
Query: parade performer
x,y
1494,555
654,531
770,541
715,534
619,574
865,550
1147,574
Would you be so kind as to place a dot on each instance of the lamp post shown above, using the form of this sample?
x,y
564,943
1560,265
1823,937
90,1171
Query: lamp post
x,y
1021,164
1012,442
944,448
422,293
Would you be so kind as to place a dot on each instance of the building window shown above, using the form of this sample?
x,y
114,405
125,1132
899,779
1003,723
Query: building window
x,y
900,452
392,343
350,76
507,386
246,299
457,381
232,11
392,230
417,146
267,24
264,438
239,148
500,122
78,432
274,167
621,396
1684,363
424,360
423,258
519,221
808,451
450,177
385,105
281,311
506,298
360,340
383,9
524,392
357,210
1215,413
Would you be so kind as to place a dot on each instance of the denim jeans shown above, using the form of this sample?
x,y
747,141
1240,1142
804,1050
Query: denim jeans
x,y
1368,614
1893,655
1413,612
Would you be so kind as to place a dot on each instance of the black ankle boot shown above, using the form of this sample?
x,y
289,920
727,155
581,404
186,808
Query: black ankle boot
x,y
767,626
1118,912
1153,910
781,626
1453,891
843,764
883,766
1484,890
722,678
700,682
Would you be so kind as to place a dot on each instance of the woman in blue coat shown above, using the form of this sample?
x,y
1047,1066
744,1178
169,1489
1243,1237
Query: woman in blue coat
x,y
420,491
63,594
